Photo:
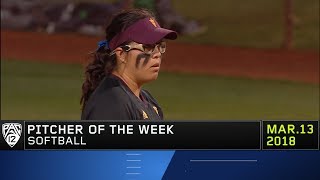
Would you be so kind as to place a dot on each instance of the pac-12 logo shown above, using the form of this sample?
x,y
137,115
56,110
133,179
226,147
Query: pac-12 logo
x,y
11,133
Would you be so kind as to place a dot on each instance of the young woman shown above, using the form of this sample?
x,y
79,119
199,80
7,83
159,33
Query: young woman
x,y
129,57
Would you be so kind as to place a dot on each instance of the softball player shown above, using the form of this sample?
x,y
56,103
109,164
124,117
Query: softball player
x,y
129,57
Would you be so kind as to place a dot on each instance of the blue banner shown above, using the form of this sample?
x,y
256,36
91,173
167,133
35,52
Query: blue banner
x,y
52,165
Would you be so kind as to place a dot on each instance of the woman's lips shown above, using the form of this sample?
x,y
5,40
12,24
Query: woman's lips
x,y
156,65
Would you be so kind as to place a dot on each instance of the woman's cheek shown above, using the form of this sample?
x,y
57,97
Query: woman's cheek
x,y
142,60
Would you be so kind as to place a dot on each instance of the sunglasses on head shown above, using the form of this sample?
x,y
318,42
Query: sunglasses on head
x,y
146,48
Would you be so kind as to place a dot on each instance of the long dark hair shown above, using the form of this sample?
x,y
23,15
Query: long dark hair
x,y
101,64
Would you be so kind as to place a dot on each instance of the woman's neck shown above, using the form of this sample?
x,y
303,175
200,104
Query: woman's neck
x,y
133,86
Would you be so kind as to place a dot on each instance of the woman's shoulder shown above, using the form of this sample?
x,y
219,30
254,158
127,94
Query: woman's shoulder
x,y
110,89
109,101
108,93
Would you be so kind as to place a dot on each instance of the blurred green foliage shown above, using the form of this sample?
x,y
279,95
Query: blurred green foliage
x,y
248,23
252,23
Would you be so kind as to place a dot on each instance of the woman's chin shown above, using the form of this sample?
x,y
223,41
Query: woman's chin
x,y
155,76
152,77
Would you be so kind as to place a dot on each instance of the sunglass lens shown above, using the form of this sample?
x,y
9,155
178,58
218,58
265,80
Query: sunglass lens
x,y
148,48
162,47
151,48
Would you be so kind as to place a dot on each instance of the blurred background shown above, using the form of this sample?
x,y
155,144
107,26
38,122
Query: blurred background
x,y
239,60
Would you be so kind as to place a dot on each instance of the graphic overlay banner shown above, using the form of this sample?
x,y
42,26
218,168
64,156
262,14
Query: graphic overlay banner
x,y
205,135
291,135
140,135
12,135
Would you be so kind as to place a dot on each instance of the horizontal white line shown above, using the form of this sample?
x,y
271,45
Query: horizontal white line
x,y
132,167
133,173
133,154
223,160
134,160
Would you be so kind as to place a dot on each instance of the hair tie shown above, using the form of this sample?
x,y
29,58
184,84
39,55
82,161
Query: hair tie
x,y
104,44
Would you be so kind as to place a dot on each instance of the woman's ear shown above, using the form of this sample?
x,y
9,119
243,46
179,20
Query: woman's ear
x,y
121,54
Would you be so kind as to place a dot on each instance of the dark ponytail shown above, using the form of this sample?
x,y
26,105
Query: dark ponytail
x,y
101,64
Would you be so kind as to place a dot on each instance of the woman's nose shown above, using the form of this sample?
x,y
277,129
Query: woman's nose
x,y
156,53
